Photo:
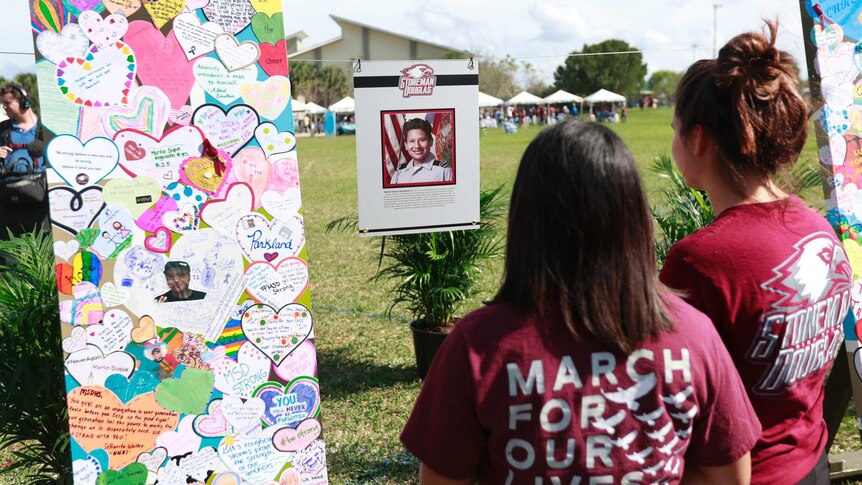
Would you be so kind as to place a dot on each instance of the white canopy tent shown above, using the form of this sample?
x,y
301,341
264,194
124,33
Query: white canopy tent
x,y
314,108
525,98
297,106
605,96
563,97
488,101
344,105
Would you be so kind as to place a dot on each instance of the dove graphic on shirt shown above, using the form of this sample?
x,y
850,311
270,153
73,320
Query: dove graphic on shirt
x,y
678,399
609,425
639,456
653,469
684,433
630,396
686,416
673,465
625,441
668,447
662,433
650,418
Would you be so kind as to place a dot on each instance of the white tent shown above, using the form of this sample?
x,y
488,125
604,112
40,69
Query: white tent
x,y
344,105
605,96
525,98
488,101
314,108
297,106
563,97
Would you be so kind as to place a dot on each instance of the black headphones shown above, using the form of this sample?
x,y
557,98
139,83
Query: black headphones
x,y
25,101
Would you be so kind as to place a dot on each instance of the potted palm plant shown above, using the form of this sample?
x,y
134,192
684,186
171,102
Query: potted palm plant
x,y
436,272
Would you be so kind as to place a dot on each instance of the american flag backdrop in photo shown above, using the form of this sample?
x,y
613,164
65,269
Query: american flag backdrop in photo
x,y
392,123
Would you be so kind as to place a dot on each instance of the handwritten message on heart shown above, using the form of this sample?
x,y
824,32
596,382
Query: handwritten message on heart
x,y
262,240
64,115
282,206
233,15
837,63
113,296
276,286
136,195
113,334
234,54
268,28
242,376
141,419
105,32
153,459
218,82
222,215
102,77
295,439
162,61
277,333
147,111
273,141
269,97
76,341
160,241
301,362
72,210
90,366
126,7
290,405
243,416
70,42
196,38
86,471
235,453
194,467
252,167
159,158
82,164
228,130
272,58
162,11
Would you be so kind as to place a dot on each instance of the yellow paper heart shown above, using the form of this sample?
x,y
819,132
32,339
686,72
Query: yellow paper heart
x,y
87,67
146,330
854,254
201,172
268,7
163,11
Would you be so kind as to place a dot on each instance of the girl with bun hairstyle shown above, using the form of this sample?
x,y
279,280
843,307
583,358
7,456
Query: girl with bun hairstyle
x,y
768,271
584,368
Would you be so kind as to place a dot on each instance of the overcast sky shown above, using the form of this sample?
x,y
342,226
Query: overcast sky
x,y
671,33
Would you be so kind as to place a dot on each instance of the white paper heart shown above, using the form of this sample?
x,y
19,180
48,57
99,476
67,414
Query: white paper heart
x,y
153,459
262,240
241,377
90,366
228,130
837,63
195,37
234,452
837,94
183,440
76,341
282,206
112,295
82,164
159,158
74,210
66,249
103,32
243,416
86,472
233,15
222,215
102,77
137,195
186,219
277,334
218,82
273,141
234,54
837,150
276,286
70,42
113,334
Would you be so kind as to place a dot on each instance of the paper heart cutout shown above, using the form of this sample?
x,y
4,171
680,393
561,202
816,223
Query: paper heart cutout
x,y
222,214
244,417
273,58
82,164
102,77
257,236
291,404
141,382
89,366
268,28
75,7
159,158
162,61
160,242
277,334
213,423
116,225
228,130
282,206
301,362
65,116
74,211
162,11
196,4
283,174
70,42
266,6
76,341
218,82
151,219
269,97
837,94
181,116
146,330
112,295
243,376
837,149
86,471
232,15
134,474
828,37
183,194
66,249
147,111
113,334
234,54
105,32
186,219
87,236
136,195
277,285
234,452
183,440
153,460
272,141
295,439
85,267
86,308
202,173
126,7
837,63
251,167
196,38
188,394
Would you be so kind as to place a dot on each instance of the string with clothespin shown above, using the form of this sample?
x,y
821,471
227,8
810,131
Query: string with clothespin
x,y
824,20
211,153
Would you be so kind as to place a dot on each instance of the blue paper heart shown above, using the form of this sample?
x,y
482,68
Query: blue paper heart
x,y
307,403
268,396
127,389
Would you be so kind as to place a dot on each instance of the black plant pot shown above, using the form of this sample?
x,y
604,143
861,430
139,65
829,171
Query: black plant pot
x,y
425,345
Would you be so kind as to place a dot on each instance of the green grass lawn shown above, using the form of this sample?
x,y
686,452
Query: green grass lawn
x,y
367,370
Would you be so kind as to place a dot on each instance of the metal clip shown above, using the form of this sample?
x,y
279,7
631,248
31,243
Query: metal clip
x,y
470,64
358,66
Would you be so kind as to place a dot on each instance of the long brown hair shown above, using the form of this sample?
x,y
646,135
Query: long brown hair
x,y
580,238
748,100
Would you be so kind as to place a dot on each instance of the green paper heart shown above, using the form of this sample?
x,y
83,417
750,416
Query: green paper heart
x,y
134,474
86,237
64,90
189,394
268,29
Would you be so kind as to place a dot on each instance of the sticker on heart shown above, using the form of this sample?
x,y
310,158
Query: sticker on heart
x,y
277,333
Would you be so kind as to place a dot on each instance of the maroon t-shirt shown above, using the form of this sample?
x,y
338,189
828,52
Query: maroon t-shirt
x,y
512,399
776,283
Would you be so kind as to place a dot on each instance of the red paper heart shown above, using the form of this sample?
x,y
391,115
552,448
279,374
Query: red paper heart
x,y
153,244
273,58
134,151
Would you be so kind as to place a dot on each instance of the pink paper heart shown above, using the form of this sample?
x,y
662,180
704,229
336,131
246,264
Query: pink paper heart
x,y
252,167
196,4
181,116
161,61
273,58
213,424
295,439
151,219
160,241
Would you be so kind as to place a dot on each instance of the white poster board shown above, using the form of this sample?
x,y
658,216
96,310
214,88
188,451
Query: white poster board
x,y
427,178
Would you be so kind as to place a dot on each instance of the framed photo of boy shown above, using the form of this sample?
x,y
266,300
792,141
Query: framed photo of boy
x,y
418,147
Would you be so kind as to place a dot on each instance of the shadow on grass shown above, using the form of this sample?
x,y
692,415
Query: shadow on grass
x,y
341,374
401,467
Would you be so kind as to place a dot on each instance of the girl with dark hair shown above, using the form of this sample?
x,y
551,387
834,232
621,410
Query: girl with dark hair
x,y
768,271
583,365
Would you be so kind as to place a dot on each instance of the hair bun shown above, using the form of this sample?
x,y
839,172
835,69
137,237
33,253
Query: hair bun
x,y
752,63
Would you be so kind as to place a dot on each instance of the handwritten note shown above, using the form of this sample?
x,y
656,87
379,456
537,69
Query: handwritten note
x,y
277,334
241,377
82,164
218,82
195,37
255,459
276,286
